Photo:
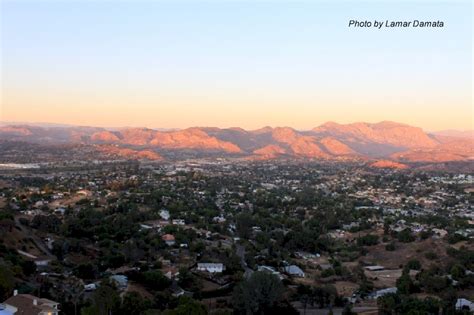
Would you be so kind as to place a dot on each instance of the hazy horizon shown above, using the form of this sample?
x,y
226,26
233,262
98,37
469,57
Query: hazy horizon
x,y
58,125
176,65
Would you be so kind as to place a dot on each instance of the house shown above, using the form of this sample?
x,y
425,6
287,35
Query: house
x,y
440,232
169,239
7,310
256,229
374,268
60,210
178,222
325,266
165,214
30,305
305,255
270,270
219,219
90,287
463,304
176,290
170,272
84,192
294,271
120,280
380,293
57,196
145,227
41,262
210,267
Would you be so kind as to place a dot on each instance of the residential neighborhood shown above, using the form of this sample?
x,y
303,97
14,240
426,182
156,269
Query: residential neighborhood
x,y
334,236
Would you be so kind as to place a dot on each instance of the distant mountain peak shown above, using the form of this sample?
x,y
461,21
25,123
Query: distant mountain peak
x,y
385,140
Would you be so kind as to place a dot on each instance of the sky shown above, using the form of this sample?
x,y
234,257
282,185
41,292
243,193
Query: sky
x,y
177,64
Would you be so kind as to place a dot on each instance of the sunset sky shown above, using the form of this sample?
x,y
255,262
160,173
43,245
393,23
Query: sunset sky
x,y
175,64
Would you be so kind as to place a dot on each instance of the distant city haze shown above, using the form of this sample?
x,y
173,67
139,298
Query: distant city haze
x,y
176,65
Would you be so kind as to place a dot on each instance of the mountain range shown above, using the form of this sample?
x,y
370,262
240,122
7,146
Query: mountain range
x,y
392,143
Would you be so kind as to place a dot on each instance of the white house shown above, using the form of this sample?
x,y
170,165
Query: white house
x,y
294,270
463,304
211,267
219,219
145,227
165,214
178,222
42,262
374,268
383,292
7,309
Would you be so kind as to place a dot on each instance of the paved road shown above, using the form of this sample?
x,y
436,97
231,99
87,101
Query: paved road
x,y
240,251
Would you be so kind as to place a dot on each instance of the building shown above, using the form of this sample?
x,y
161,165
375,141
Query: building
x,y
169,239
170,272
120,280
5,310
270,270
165,214
463,304
294,271
219,219
145,227
374,268
211,267
42,262
178,222
27,304
90,287
380,293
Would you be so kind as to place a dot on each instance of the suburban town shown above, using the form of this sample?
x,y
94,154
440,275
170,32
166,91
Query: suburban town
x,y
216,236
163,157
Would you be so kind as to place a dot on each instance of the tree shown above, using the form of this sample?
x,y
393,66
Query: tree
x,y
6,282
402,304
187,280
404,283
257,295
413,264
155,280
325,296
105,300
348,310
305,296
244,225
405,236
186,306
86,271
388,303
133,303
28,267
49,223
458,272
390,246
368,240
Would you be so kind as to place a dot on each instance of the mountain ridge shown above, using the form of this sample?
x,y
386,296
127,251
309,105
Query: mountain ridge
x,y
383,140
